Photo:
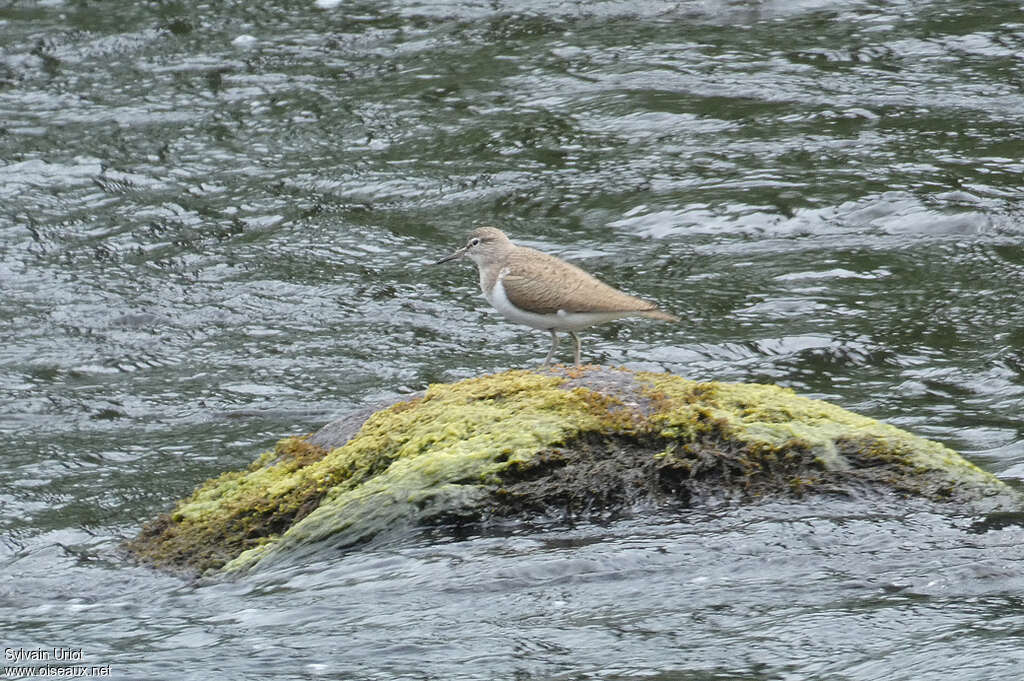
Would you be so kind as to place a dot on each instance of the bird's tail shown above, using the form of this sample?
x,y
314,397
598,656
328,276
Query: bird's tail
x,y
658,314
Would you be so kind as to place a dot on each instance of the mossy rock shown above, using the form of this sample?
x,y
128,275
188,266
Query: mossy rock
x,y
563,443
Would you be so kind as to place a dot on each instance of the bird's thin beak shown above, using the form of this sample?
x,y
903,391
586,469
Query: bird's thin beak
x,y
457,254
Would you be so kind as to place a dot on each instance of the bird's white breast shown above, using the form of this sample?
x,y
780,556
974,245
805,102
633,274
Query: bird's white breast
x,y
559,321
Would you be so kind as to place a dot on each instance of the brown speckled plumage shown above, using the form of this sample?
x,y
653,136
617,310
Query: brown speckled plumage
x,y
557,293
528,278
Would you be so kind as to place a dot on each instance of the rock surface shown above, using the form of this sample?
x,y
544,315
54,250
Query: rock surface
x,y
565,443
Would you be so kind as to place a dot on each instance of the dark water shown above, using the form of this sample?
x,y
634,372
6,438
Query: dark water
x,y
215,224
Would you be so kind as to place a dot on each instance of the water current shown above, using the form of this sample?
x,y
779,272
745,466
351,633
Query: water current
x,y
216,221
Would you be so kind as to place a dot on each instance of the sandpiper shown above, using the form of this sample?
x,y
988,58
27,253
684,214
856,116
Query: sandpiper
x,y
539,290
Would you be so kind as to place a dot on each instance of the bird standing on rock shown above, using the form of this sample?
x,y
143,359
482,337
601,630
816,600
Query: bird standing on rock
x,y
541,291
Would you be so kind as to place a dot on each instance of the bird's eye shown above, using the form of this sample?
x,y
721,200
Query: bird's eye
x,y
474,241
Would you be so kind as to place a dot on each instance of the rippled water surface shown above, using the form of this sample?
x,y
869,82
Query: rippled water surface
x,y
216,222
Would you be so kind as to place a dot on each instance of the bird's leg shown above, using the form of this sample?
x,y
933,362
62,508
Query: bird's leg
x,y
577,339
554,344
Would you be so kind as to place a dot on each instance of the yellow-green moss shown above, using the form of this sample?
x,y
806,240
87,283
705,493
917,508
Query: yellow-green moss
x,y
452,449
767,415
464,428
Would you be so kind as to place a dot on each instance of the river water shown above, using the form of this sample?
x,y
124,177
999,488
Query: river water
x,y
216,221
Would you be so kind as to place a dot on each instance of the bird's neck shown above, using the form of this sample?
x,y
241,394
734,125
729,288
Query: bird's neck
x,y
490,270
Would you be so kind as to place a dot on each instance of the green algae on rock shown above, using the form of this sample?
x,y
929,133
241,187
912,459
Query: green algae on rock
x,y
566,442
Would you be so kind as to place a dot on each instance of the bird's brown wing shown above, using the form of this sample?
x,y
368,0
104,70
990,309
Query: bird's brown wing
x,y
543,284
